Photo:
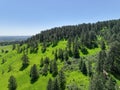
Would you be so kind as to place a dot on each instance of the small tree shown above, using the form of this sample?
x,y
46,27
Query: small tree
x,y
25,60
12,83
84,68
34,73
62,80
45,70
51,67
41,62
56,85
49,86
110,84
9,68
55,69
103,47
65,54
13,47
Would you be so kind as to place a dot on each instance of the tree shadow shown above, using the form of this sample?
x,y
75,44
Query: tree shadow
x,y
23,67
117,76
33,81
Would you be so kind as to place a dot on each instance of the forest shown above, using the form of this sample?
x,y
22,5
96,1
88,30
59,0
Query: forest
x,y
75,57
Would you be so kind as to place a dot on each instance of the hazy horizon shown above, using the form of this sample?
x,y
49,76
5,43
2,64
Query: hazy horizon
x,y
29,17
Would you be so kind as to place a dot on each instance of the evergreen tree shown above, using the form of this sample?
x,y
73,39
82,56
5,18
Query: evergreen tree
x,y
65,54
43,49
56,85
84,68
41,62
9,68
50,84
34,73
69,42
12,83
62,80
51,67
54,68
97,82
76,49
45,70
13,47
110,84
46,60
60,54
103,47
101,61
114,58
25,61
55,55
89,68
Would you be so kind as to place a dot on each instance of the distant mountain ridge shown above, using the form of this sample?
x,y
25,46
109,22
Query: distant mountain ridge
x,y
13,38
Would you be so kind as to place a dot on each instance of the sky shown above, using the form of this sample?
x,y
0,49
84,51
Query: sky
x,y
29,17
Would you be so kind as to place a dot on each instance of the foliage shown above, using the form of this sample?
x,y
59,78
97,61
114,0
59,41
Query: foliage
x,y
12,83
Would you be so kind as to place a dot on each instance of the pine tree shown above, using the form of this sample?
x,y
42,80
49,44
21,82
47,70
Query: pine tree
x,y
50,84
76,49
54,68
13,47
60,54
25,61
89,68
62,80
110,84
9,68
97,82
84,68
56,85
69,47
12,83
41,62
103,47
65,54
45,70
51,67
101,61
34,73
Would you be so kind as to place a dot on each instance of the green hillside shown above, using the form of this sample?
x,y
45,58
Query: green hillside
x,y
81,57
23,80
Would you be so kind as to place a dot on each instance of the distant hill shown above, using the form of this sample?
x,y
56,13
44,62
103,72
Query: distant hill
x,y
13,38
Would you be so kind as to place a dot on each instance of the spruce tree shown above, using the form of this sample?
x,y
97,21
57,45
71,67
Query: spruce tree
x,y
103,47
34,73
65,54
51,67
110,84
54,68
41,62
56,85
25,61
62,80
50,84
45,70
12,83
84,68
76,49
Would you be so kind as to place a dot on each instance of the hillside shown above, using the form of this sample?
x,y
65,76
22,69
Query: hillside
x,y
80,57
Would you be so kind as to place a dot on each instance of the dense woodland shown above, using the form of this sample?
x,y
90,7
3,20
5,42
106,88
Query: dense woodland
x,y
80,38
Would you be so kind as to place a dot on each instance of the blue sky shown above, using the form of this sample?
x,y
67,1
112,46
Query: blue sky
x,y
28,17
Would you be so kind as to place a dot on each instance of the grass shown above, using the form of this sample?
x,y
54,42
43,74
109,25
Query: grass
x,y
23,78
